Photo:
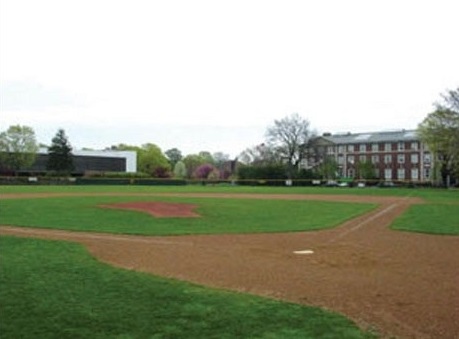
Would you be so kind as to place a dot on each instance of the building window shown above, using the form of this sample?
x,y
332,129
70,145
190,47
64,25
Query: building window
x,y
426,173
350,172
350,159
340,172
340,149
401,174
340,160
414,174
362,158
374,148
363,148
388,147
331,150
375,159
401,158
427,158
388,159
414,146
350,148
401,146
387,174
414,158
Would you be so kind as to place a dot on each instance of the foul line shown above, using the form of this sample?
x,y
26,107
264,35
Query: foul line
x,y
362,223
78,237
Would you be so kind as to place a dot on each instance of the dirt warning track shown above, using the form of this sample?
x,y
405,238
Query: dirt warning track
x,y
401,284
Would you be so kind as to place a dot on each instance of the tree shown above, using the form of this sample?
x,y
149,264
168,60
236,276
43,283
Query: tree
x,y
174,155
60,158
366,170
207,157
162,172
220,159
18,147
215,174
203,171
180,170
260,155
450,101
440,131
289,137
192,162
151,160
328,169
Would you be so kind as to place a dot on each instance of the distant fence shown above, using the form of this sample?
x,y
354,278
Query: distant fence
x,y
182,182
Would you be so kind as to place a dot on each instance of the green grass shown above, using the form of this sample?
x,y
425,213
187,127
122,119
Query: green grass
x,y
51,289
290,216
218,215
430,218
425,193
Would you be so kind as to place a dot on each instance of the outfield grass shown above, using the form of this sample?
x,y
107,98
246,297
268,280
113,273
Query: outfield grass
x,y
218,215
440,195
438,216
430,218
51,289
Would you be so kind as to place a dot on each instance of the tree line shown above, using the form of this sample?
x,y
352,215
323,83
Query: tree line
x,y
286,145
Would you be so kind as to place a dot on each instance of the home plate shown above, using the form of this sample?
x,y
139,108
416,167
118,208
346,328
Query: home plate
x,y
304,252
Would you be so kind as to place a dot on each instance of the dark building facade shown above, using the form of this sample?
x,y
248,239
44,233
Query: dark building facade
x,y
86,161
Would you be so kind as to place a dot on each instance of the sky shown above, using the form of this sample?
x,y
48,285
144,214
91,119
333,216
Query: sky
x,y
214,75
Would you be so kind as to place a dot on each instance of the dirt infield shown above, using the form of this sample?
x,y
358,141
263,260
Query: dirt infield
x,y
401,284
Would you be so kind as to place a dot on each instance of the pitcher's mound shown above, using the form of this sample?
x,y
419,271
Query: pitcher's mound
x,y
158,209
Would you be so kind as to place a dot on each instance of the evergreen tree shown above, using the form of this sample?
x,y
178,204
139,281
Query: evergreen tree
x,y
60,157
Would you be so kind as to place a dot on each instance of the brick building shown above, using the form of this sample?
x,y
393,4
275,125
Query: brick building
x,y
394,155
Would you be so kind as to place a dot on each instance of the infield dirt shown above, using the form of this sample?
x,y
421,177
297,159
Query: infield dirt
x,y
400,284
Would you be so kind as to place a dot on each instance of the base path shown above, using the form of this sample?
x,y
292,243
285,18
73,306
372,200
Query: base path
x,y
399,283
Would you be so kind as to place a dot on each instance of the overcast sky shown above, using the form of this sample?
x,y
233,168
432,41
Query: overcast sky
x,y
213,75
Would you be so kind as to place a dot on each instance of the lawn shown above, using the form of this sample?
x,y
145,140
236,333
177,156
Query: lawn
x,y
218,215
439,215
53,289
430,218
429,194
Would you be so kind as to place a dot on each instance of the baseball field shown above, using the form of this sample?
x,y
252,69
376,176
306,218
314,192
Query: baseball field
x,y
228,262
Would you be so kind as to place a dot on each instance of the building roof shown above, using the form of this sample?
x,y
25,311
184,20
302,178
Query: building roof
x,y
372,137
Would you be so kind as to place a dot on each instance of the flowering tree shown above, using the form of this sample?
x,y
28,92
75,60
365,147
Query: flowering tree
x,y
203,171
215,174
180,170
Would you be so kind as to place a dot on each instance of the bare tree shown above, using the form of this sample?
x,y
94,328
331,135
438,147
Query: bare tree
x,y
289,137
259,155
450,101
